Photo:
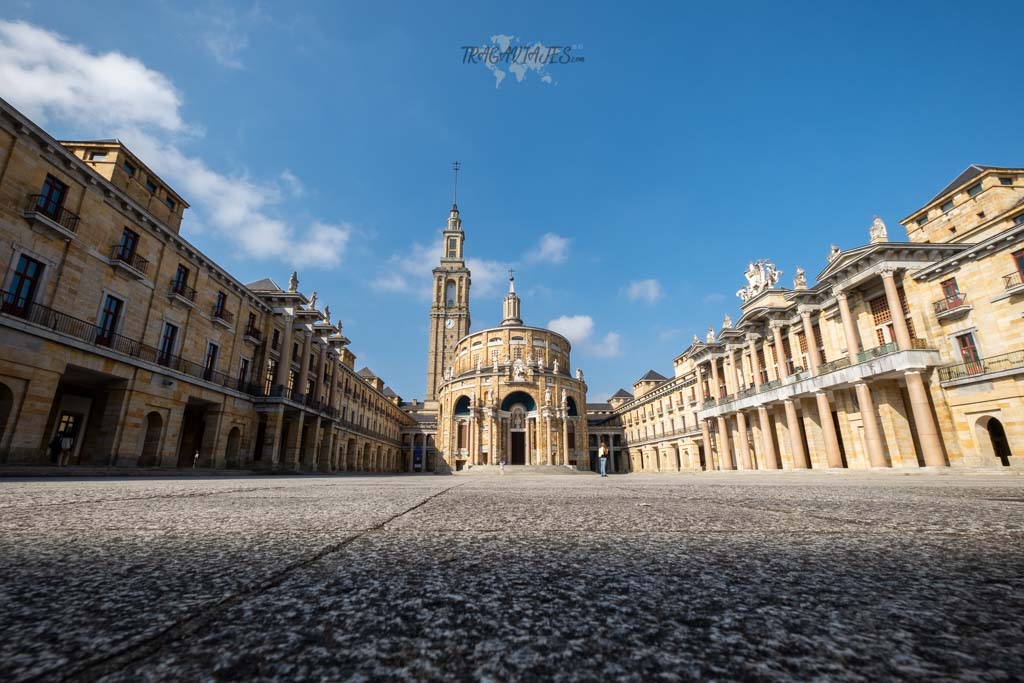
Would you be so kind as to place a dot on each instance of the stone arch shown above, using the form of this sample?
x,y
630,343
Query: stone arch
x,y
519,397
379,463
570,407
462,405
233,450
350,455
992,439
150,456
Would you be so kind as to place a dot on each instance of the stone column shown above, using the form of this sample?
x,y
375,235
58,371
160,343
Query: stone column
x,y
529,440
872,434
565,441
755,365
716,392
800,461
705,434
771,458
724,454
732,375
899,321
927,430
304,362
849,328
828,429
744,445
780,350
611,453
813,354
284,364
320,374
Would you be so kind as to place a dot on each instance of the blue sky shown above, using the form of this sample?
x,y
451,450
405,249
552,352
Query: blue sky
x,y
628,194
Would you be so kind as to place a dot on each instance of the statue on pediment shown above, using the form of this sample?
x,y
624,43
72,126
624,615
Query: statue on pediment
x,y
877,232
727,323
711,335
293,282
800,279
312,302
761,275
518,371
833,253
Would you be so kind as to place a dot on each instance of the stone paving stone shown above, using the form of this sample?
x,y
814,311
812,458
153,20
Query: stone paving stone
x,y
523,577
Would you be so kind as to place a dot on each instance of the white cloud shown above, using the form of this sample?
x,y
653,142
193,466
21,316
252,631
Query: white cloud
x,y
579,329
551,249
108,94
410,272
49,78
226,47
575,328
225,32
648,291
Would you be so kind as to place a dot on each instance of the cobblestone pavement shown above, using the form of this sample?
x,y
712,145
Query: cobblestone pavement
x,y
773,576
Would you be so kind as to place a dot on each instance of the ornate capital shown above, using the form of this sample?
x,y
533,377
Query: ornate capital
x,y
776,324
839,293
753,337
887,270
804,310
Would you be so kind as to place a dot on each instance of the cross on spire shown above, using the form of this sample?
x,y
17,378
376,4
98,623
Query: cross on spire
x,y
511,274
455,168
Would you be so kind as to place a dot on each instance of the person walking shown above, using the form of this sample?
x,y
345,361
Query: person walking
x,y
502,465
66,442
602,456
55,449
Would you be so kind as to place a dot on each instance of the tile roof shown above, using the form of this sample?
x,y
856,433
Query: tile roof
x,y
651,374
622,393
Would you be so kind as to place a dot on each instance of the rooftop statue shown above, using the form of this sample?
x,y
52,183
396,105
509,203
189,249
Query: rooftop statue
x,y
760,275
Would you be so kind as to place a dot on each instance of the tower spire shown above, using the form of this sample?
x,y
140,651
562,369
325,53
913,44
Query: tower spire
x,y
455,193
511,304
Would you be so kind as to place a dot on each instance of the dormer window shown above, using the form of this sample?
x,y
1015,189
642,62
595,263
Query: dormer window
x,y
974,190
922,221
1006,180
947,206
97,156
128,168
170,203
151,186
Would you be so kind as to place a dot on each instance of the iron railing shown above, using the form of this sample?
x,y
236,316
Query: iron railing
x,y
949,303
253,333
982,366
87,332
709,402
120,252
179,288
877,352
221,314
832,366
55,211
1013,280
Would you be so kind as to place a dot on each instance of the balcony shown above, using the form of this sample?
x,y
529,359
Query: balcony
x,y
42,212
709,402
182,293
252,335
223,317
68,326
877,352
1013,283
832,366
952,306
128,262
1008,363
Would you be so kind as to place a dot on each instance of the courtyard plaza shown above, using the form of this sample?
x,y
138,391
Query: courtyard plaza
x,y
756,575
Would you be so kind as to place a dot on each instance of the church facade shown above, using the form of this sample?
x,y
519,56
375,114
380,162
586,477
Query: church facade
x,y
499,395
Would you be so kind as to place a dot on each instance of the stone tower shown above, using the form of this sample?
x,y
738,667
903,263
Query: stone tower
x,y
510,306
449,313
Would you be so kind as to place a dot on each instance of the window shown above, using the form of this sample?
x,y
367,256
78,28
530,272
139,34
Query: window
x,y
23,286
250,325
947,206
108,320
170,203
97,156
275,339
452,247
218,308
1018,220
951,292
1018,260
167,340
1006,181
210,364
968,348
268,376
126,247
449,293
180,282
974,190
128,168
295,352
151,186
51,197
243,371
922,220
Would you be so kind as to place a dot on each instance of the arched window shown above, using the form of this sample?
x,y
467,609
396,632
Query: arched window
x,y
449,293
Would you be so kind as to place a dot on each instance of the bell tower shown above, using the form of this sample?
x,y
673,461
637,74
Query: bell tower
x,y
449,312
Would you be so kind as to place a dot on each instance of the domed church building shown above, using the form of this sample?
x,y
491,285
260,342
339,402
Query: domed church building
x,y
505,393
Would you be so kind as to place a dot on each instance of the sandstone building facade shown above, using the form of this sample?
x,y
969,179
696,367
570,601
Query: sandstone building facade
x,y
122,334
900,355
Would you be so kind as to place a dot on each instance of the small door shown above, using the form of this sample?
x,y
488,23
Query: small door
x,y
518,448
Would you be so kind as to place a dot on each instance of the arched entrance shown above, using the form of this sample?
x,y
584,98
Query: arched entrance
x,y
150,456
232,459
992,439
